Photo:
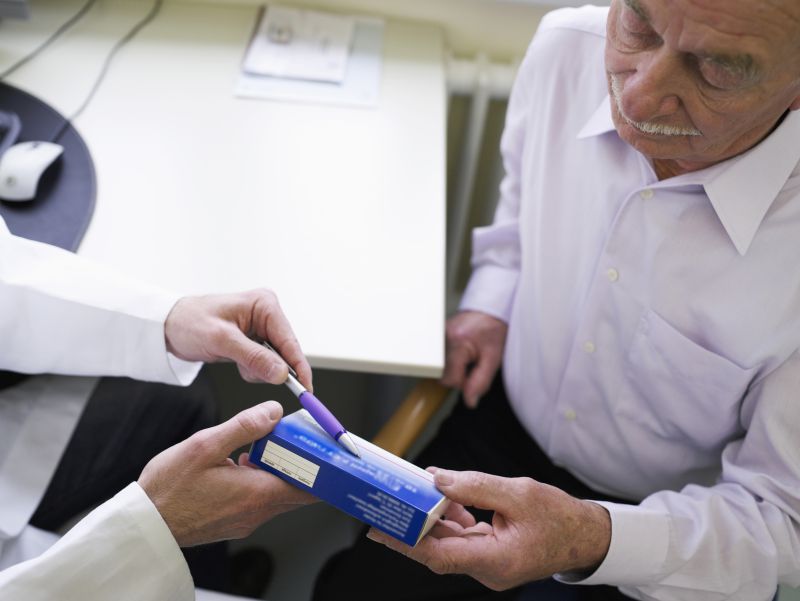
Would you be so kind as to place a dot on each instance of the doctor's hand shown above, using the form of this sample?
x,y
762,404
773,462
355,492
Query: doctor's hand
x,y
221,327
204,496
474,349
537,531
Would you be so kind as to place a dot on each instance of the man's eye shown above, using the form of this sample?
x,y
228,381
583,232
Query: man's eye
x,y
718,76
634,31
633,23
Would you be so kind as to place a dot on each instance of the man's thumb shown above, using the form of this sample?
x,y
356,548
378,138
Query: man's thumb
x,y
245,427
473,489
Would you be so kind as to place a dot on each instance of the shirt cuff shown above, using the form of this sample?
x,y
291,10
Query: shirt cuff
x,y
167,367
638,549
491,290
184,371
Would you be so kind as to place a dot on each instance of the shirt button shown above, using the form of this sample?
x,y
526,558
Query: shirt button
x,y
646,194
588,346
612,274
570,415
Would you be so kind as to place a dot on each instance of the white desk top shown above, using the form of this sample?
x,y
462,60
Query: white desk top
x,y
340,210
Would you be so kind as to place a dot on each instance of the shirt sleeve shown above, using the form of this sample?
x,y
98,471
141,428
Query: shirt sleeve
x,y
62,314
123,550
735,540
496,248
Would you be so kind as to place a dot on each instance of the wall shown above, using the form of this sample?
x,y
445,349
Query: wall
x,y
501,29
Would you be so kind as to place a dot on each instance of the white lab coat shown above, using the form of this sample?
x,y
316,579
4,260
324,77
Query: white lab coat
x,y
122,550
60,314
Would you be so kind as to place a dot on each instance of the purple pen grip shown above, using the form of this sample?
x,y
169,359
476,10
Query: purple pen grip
x,y
321,414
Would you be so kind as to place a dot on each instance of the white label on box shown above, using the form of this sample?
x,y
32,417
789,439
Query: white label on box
x,y
291,464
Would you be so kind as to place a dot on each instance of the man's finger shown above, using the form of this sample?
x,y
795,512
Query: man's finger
x,y
456,513
477,489
445,528
243,428
455,367
448,555
244,460
268,487
291,352
270,323
253,358
273,491
479,380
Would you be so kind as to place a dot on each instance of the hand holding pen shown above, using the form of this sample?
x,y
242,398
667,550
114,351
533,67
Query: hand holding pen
x,y
219,327
318,411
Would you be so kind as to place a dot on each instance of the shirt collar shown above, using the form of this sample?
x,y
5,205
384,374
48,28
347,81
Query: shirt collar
x,y
741,189
744,187
600,122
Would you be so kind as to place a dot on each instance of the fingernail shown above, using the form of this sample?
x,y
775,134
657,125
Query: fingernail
x,y
371,535
273,412
443,477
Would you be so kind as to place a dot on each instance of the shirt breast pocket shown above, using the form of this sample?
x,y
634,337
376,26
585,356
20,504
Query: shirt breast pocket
x,y
679,390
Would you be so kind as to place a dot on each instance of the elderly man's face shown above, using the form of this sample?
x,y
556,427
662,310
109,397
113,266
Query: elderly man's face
x,y
694,82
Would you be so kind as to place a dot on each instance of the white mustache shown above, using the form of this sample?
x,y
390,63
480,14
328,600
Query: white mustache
x,y
646,126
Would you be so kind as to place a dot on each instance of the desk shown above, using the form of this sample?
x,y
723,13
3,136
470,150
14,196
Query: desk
x,y
340,210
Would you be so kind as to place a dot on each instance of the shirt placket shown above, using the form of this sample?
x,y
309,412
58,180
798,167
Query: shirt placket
x,y
616,299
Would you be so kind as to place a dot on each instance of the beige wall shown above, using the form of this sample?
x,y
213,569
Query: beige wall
x,y
501,29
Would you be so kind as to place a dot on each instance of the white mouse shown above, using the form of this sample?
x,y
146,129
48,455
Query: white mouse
x,y
21,167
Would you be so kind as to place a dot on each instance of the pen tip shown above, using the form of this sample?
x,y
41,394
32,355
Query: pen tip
x,y
348,444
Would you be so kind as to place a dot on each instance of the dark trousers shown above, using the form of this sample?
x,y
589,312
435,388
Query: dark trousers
x,y
487,439
124,425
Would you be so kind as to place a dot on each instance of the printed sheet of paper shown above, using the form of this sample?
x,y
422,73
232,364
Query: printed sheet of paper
x,y
301,44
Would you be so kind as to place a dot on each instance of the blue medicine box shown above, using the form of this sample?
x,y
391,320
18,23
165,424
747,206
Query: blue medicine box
x,y
380,489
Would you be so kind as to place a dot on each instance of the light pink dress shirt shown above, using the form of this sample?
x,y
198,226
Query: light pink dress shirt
x,y
654,328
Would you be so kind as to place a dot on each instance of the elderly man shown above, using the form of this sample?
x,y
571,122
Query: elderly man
x,y
640,286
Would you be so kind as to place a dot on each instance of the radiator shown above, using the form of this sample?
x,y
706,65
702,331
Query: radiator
x,y
480,82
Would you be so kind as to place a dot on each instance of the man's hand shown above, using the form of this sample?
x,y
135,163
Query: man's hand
x,y
475,344
537,531
220,327
204,496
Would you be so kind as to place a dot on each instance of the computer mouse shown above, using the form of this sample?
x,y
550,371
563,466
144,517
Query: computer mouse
x,y
22,166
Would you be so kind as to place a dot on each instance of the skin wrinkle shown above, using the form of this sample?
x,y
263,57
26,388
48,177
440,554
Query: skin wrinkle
x,y
689,65
744,64
645,126
638,9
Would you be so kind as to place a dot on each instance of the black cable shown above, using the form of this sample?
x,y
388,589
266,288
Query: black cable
x,y
53,37
152,14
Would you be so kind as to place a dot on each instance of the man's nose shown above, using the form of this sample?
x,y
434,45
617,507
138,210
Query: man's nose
x,y
654,90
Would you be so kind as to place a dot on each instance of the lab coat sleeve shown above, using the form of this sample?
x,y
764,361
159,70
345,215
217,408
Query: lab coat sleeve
x,y
63,314
496,248
123,550
735,540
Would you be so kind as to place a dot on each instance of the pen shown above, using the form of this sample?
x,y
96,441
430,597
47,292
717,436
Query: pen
x,y
318,411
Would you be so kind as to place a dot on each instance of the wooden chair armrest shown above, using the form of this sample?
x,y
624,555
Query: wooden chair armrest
x,y
410,418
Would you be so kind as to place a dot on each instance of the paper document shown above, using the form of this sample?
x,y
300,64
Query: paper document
x,y
300,44
360,87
